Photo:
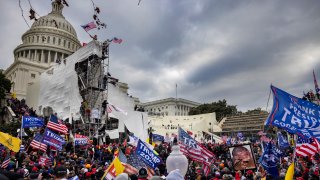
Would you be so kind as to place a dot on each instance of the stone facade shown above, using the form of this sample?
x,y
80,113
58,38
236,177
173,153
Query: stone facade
x,y
197,124
49,40
169,107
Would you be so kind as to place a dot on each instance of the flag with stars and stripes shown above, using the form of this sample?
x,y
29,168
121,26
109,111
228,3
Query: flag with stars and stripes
x,y
55,125
135,161
195,150
37,143
6,162
134,164
307,147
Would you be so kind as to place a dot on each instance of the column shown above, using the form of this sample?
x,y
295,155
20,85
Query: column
x,y
42,57
36,55
24,54
29,55
55,57
32,55
49,57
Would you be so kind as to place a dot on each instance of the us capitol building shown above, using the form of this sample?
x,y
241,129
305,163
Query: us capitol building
x,y
51,38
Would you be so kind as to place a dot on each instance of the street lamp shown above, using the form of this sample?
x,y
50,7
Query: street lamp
x,y
176,160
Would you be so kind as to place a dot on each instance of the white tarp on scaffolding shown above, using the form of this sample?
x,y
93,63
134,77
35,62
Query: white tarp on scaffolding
x,y
59,85
136,122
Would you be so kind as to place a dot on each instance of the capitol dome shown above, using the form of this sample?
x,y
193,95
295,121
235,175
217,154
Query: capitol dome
x,y
50,38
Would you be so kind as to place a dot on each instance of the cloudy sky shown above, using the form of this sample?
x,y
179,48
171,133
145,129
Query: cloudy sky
x,y
212,49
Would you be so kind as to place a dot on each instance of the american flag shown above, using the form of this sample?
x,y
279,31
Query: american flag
x,y
129,169
89,26
36,143
6,162
307,147
109,110
116,40
122,157
134,161
55,125
195,150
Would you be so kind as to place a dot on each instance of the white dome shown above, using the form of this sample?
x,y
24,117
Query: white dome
x,y
51,37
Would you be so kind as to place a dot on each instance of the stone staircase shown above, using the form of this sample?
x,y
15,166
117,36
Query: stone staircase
x,y
249,124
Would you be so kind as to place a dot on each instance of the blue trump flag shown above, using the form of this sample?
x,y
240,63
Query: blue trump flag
x,y
270,158
282,141
147,155
294,114
157,137
53,139
28,121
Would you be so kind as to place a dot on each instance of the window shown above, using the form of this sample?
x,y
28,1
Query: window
x,y
54,40
59,41
48,39
33,76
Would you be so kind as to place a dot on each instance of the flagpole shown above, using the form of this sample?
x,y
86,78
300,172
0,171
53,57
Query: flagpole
x,y
74,137
295,137
21,130
90,35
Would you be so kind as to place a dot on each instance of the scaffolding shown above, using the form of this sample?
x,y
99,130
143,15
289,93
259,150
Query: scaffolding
x,y
93,85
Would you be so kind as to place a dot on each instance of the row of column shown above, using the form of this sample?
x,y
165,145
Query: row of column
x,y
41,56
182,110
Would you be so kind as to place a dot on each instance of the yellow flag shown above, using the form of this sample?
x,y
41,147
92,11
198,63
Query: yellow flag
x,y
10,142
290,172
114,169
153,145
14,95
118,166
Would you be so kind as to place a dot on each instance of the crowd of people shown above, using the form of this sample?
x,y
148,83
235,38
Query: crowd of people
x,y
90,161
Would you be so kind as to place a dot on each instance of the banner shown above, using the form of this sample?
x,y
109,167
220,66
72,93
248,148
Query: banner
x,y
53,139
28,121
43,160
147,155
80,139
10,142
294,114
282,141
270,159
157,137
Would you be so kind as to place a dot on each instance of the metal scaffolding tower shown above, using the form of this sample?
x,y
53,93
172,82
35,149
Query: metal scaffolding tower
x,y
93,85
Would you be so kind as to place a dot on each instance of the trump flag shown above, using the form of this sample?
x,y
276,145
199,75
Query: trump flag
x,y
53,139
294,114
28,121
270,159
